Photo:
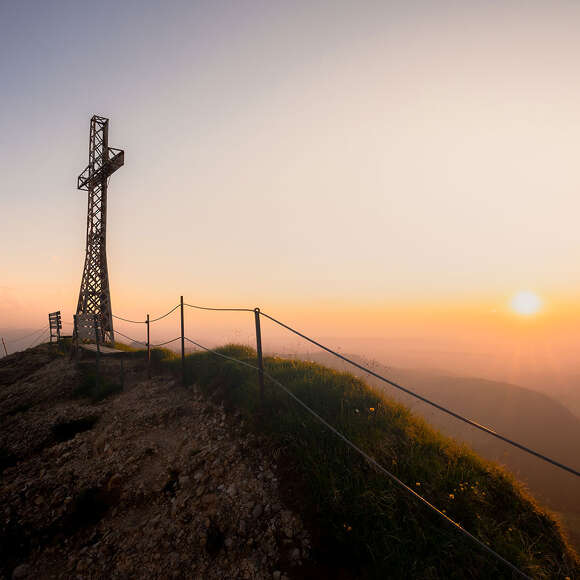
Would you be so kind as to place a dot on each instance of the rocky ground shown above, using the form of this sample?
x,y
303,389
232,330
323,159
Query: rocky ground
x,y
153,482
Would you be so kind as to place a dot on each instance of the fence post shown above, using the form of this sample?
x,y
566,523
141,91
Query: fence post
x,y
259,352
182,344
4,345
98,355
148,351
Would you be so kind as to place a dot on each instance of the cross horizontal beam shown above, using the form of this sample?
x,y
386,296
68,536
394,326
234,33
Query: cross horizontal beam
x,y
91,176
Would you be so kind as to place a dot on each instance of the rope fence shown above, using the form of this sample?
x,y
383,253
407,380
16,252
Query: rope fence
x,y
426,400
220,309
370,459
127,320
262,375
38,334
258,314
164,315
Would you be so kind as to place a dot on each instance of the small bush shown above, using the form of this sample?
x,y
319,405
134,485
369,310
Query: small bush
x,y
96,389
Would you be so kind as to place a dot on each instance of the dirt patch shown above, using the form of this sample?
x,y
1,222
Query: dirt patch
x,y
17,366
163,484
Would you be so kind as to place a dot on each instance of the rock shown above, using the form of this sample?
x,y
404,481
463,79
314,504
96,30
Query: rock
x,y
20,572
209,500
174,559
214,539
257,511
114,482
277,574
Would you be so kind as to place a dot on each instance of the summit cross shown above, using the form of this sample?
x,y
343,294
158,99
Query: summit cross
x,y
94,316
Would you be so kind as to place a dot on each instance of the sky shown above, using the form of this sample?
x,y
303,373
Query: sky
x,y
386,174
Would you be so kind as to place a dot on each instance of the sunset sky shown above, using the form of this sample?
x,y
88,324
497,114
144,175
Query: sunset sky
x,y
394,171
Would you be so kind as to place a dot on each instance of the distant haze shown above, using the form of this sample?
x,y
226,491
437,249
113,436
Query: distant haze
x,y
383,175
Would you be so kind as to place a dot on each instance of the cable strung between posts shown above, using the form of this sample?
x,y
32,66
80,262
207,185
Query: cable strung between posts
x,y
429,402
372,461
220,309
144,343
160,317
222,355
27,335
39,339
166,342
129,338
127,320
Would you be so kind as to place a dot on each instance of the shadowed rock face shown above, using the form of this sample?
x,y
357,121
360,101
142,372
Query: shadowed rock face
x,y
152,482
68,429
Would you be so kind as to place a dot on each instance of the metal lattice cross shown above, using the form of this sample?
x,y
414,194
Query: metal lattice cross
x,y
94,296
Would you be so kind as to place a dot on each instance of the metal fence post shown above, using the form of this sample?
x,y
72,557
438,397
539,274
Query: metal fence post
x,y
148,351
259,352
182,344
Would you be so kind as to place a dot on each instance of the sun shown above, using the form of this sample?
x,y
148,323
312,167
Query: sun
x,y
526,303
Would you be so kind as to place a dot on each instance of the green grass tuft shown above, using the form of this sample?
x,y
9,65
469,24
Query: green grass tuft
x,y
126,348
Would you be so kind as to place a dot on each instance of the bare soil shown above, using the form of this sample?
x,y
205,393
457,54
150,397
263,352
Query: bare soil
x,y
155,482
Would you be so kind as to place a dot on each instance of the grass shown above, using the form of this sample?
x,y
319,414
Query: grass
x,y
126,348
366,523
157,354
94,387
101,387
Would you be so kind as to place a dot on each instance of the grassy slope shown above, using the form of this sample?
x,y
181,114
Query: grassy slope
x,y
368,524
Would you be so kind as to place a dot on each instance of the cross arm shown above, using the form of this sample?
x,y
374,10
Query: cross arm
x,y
90,176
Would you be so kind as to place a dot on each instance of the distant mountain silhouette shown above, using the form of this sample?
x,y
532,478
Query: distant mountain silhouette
x,y
570,394
526,416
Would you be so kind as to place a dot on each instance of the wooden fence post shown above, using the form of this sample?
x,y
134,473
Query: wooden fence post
x,y
4,345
